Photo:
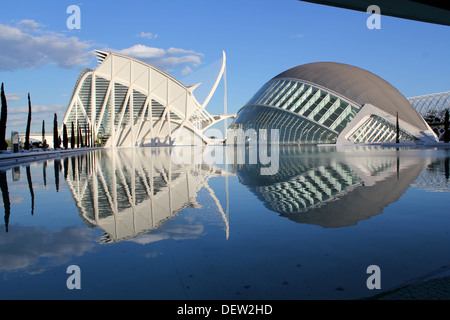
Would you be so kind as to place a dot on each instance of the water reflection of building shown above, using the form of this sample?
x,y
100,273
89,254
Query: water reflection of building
x,y
332,189
436,177
130,192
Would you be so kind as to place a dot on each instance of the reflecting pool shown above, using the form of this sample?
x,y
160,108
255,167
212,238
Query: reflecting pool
x,y
140,225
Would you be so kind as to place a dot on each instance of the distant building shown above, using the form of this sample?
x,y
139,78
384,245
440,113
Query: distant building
x,y
126,102
37,137
432,107
332,103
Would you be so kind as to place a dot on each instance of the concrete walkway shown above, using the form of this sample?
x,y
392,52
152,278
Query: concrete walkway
x,y
8,158
434,286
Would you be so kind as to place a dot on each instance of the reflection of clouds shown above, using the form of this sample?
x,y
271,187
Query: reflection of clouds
x,y
171,230
24,248
14,199
152,255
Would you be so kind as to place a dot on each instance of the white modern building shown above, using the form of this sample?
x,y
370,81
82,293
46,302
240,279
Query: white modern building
x,y
125,102
432,106
333,103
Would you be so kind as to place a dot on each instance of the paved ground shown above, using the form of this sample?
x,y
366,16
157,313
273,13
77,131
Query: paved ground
x,y
7,158
434,286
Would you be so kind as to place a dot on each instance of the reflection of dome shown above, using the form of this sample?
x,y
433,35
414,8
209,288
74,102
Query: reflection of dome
x,y
331,189
332,103
308,177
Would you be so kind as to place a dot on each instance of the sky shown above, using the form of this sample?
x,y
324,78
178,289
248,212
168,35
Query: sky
x,y
40,55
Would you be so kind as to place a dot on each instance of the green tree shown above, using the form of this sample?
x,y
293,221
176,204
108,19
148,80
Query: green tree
x,y
27,132
55,132
3,116
72,137
65,137
81,139
43,132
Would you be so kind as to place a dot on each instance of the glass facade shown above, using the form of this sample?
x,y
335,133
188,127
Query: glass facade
x,y
292,128
303,113
307,113
316,104
376,129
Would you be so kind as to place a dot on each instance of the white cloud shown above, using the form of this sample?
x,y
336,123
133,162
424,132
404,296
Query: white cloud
x,y
35,109
177,51
17,116
29,25
186,70
27,45
14,96
176,231
169,62
164,58
147,35
25,247
23,50
141,51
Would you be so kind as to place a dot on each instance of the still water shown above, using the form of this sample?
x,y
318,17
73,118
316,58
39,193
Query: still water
x,y
142,226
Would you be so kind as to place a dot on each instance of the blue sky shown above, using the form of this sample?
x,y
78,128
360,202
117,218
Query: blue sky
x,y
40,55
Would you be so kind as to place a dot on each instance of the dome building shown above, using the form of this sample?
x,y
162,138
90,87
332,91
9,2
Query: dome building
x,y
332,103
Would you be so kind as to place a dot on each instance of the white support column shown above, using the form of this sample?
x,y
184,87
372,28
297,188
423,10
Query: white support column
x,y
93,99
169,126
225,102
133,143
113,105
150,108
124,106
105,103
